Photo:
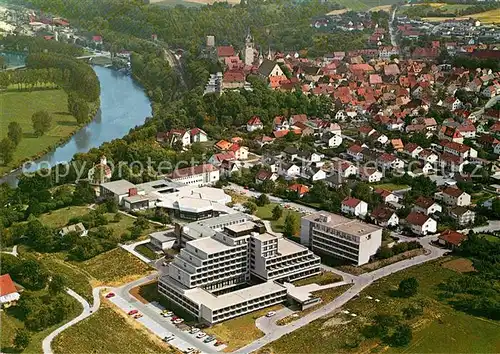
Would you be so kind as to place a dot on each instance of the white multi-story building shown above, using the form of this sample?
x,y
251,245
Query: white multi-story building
x,y
210,277
335,235
198,176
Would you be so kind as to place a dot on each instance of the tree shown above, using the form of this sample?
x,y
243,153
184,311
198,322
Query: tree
x,y
250,207
57,284
277,212
15,132
408,287
22,339
41,122
83,194
291,226
32,275
262,200
402,336
6,150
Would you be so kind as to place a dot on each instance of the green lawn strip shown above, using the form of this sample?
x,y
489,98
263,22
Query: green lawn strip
x,y
441,322
108,332
391,186
60,217
320,279
20,106
147,252
10,324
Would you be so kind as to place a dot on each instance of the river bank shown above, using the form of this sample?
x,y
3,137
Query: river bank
x,y
123,105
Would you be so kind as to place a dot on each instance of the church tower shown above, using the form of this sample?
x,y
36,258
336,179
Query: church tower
x,y
249,50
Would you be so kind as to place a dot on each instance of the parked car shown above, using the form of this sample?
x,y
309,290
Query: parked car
x,y
270,313
201,335
174,318
137,316
168,337
110,295
164,264
178,321
132,312
218,343
166,313
208,339
189,350
194,330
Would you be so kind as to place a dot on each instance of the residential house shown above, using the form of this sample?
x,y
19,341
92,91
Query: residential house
x,y
354,206
421,224
462,215
78,228
280,123
264,175
426,206
314,174
451,239
254,124
332,140
457,149
269,69
397,144
223,145
454,196
384,216
450,134
355,152
228,167
387,196
390,162
240,152
300,189
428,156
412,150
370,175
344,168
452,103
289,170
9,295
198,176
217,159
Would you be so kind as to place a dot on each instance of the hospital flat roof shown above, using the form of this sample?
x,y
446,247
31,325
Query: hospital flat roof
x,y
351,227
209,245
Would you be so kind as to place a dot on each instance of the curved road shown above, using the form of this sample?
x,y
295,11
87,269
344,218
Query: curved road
x,y
87,311
273,331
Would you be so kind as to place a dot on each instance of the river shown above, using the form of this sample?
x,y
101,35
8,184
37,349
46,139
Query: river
x,y
124,105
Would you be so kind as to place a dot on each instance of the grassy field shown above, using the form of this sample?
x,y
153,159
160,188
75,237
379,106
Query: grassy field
x,y
108,332
15,107
440,329
60,217
266,213
114,267
147,252
10,324
240,331
363,5
491,16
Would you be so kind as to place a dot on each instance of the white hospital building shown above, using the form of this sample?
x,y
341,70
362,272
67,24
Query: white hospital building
x,y
349,239
233,266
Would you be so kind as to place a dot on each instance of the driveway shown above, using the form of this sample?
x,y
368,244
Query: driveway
x,y
153,320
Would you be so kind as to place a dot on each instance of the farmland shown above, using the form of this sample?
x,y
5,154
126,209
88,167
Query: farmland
x,y
439,329
14,108
364,5
114,267
108,332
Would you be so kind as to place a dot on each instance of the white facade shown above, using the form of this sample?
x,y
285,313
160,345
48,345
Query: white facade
x,y
205,276
360,209
334,141
197,176
335,235
456,199
429,227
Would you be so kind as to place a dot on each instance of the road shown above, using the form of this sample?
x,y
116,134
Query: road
x,y
86,312
274,332
392,33
153,320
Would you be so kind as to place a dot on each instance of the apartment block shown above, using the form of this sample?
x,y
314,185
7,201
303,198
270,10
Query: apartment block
x,y
338,236
220,274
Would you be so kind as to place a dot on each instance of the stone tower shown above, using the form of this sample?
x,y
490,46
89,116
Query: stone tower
x,y
249,50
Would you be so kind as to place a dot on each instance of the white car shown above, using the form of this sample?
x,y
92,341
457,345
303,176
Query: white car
x,y
178,321
270,313
194,330
168,338
201,335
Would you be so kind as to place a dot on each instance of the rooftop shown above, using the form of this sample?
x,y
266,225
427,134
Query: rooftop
x,y
119,187
348,226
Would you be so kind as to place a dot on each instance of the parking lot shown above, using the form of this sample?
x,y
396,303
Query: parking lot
x,y
163,327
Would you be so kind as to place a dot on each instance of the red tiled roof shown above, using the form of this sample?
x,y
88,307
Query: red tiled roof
x,y
355,149
424,202
255,120
7,285
454,192
351,202
382,213
225,51
299,188
454,146
229,156
415,218
193,170
384,193
263,175
453,237
234,76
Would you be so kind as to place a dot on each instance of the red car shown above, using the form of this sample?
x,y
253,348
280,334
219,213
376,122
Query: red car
x,y
110,295
174,318
132,312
